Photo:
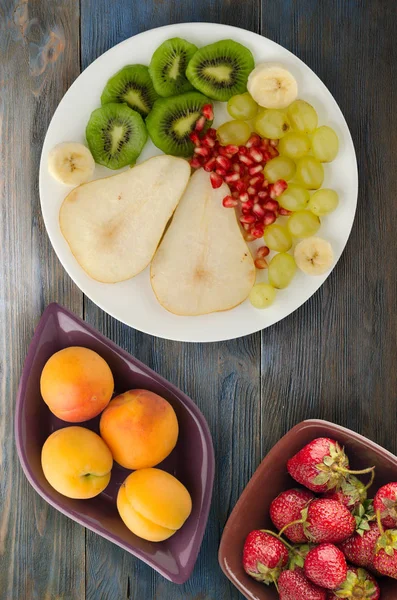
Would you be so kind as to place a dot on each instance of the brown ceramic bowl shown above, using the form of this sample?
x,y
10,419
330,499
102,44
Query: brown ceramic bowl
x,y
271,478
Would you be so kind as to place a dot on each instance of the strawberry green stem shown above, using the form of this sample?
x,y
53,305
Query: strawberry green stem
x,y
278,536
378,519
298,522
370,482
275,582
362,472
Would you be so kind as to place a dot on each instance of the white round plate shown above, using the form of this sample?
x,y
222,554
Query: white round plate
x,y
133,301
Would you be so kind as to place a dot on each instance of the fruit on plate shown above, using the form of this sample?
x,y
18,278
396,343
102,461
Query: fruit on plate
x,y
294,144
172,120
323,202
282,269
168,66
76,462
131,85
277,237
140,428
220,70
242,106
272,85
272,124
325,565
294,198
262,295
264,556
360,547
76,384
303,223
314,255
294,585
233,132
286,508
325,144
321,465
309,172
302,116
116,135
359,584
153,504
279,167
203,264
385,502
113,225
71,163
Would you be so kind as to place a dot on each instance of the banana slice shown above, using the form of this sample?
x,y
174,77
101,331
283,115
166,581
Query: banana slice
x,y
71,163
272,86
314,256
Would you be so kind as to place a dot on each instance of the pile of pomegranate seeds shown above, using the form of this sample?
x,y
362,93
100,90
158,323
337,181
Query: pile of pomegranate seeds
x,y
241,167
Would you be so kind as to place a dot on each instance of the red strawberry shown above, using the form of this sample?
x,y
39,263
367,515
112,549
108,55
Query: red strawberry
x,y
359,584
351,493
325,565
287,508
321,465
326,521
294,585
264,556
360,547
385,557
386,502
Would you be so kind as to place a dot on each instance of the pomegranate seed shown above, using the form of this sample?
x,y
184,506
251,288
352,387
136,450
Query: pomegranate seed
x,y
232,149
246,160
255,170
208,141
236,167
244,197
258,211
223,152
194,136
273,151
212,133
284,212
235,195
242,150
265,183
256,230
232,177
229,202
256,181
246,226
249,237
200,124
223,162
195,163
267,156
262,252
247,205
247,219
265,143
240,186
263,195
260,263
251,190
210,165
202,151
279,187
208,112
273,143
256,155
216,180
254,140
221,172
269,217
271,205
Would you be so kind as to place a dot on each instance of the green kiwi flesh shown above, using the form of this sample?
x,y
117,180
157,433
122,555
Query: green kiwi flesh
x,y
116,135
171,120
131,85
168,65
221,70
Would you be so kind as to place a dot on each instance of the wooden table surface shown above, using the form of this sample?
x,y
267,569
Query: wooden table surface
x,y
334,358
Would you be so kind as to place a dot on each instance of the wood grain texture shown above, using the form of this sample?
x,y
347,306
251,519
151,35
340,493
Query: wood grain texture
x,y
41,552
334,358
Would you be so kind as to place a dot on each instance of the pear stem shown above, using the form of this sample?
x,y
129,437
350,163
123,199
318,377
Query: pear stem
x,y
370,482
362,472
298,522
378,519
278,536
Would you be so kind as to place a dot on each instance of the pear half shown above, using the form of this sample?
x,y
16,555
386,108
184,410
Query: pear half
x,y
114,225
203,264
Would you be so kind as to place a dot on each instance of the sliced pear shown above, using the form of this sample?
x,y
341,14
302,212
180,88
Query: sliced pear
x,y
114,225
203,264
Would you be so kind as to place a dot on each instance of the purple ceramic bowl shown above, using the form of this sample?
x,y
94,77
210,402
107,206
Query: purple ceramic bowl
x,y
192,460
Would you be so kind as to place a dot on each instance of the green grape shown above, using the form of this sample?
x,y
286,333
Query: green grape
x,y
294,145
280,167
272,124
262,295
234,132
323,201
277,237
302,116
281,270
303,223
309,172
242,106
325,144
295,197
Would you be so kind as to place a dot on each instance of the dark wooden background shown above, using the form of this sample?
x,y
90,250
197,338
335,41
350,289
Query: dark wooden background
x,y
334,358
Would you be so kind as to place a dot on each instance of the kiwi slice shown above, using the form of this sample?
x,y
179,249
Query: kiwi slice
x,y
116,135
171,120
221,70
132,85
168,65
